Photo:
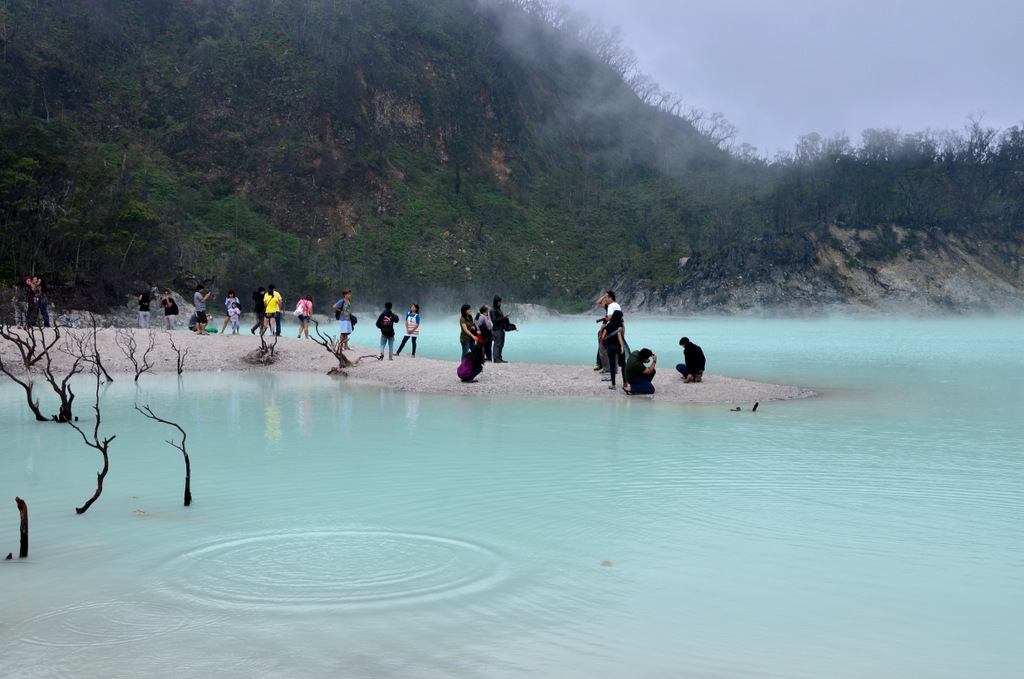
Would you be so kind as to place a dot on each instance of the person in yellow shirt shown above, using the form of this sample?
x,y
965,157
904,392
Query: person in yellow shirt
x,y
272,302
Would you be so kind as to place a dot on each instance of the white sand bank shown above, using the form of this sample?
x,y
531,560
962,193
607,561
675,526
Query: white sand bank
x,y
229,352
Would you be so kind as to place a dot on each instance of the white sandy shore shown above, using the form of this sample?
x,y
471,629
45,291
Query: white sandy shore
x,y
405,373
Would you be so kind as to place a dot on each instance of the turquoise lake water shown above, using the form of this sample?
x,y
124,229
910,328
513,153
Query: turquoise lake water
x,y
344,531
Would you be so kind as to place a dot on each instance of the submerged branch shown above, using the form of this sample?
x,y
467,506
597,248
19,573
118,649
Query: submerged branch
x,y
148,412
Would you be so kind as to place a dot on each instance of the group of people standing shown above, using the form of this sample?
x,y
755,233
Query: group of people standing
x,y
482,338
29,303
638,367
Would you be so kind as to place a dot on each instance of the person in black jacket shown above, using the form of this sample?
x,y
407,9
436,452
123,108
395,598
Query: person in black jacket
x,y
258,308
499,324
387,321
692,369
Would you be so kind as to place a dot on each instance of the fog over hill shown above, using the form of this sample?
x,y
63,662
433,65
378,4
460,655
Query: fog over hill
x,y
456,147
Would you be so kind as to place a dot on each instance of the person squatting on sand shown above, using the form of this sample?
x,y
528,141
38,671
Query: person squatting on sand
x,y
387,321
637,374
412,329
472,363
692,367
343,310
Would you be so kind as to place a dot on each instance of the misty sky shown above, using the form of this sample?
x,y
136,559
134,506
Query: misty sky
x,y
778,69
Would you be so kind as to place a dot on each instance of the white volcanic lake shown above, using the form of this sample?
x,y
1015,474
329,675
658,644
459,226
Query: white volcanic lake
x,y
346,531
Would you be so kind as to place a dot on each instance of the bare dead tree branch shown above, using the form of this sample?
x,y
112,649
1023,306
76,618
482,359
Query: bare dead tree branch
x,y
128,344
333,346
101,445
148,412
28,385
96,352
182,352
264,355
31,343
34,349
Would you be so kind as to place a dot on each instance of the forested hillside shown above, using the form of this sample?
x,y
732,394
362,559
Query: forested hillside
x,y
410,146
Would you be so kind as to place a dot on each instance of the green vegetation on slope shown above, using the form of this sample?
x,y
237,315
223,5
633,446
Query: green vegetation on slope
x,y
402,146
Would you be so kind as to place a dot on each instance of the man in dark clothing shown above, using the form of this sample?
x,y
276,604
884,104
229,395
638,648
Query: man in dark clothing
x,y
386,322
258,308
692,368
637,374
499,324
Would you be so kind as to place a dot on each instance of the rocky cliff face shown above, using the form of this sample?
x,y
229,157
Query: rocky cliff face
x,y
842,270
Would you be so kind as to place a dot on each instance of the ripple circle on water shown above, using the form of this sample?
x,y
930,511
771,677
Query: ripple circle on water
x,y
331,569
108,623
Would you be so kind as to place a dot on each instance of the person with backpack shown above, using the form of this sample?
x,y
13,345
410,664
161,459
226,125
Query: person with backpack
x,y
386,322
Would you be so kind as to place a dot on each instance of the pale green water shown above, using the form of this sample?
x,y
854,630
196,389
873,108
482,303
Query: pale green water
x,y
338,531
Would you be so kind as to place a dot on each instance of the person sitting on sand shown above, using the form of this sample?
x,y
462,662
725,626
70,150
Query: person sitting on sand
x,y
692,367
472,364
637,374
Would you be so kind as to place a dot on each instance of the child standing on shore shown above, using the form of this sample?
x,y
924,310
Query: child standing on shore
x,y
234,311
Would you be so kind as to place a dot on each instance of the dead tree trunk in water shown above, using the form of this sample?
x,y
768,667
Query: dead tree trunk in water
x,y
102,446
23,509
32,349
182,352
148,412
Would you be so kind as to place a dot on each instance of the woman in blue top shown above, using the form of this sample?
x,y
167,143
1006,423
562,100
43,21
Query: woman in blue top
x,y
412,329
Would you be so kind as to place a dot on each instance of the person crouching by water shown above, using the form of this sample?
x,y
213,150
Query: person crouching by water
x,y
638,374
467,329
412,329
472,364
692,368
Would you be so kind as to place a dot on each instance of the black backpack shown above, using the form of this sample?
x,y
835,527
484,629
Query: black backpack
x,y
387,325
